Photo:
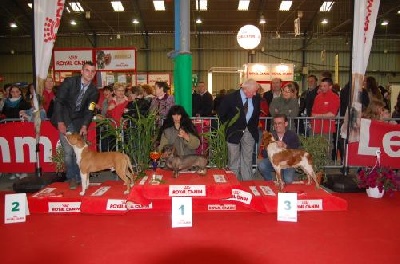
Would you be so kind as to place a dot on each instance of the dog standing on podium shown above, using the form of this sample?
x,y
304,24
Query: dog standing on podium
x,y
282,158
91,161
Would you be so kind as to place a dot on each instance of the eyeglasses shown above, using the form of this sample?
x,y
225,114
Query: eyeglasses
x,y
278,123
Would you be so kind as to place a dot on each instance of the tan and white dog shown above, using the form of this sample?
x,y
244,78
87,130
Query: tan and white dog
x,y
282,158
92,161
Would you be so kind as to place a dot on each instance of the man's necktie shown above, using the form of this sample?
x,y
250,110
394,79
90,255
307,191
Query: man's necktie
x,y
79,99
246,106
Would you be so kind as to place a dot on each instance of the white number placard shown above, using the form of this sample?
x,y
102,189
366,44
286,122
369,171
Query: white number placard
x,y
15,208
182,212
287,207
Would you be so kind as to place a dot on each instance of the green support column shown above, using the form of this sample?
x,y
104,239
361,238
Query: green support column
x,y
183,81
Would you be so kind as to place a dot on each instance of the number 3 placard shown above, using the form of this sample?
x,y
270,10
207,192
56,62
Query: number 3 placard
x,y
181,211
287,207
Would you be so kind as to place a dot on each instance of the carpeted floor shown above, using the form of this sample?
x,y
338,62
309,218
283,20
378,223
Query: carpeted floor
x,y
367,233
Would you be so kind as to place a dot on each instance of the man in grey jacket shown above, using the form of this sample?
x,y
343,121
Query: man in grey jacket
x,y
73,111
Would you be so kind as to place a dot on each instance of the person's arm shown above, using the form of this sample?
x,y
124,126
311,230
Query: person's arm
x,y
191,141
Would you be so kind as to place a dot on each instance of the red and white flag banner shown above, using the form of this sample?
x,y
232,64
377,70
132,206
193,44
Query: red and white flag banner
x,y
47,19
376,136
365,14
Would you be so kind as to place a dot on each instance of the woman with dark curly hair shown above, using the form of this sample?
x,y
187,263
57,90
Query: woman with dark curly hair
x,y
179,131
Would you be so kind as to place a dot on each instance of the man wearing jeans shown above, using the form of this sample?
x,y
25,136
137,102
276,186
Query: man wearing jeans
x,y
286,139
73,111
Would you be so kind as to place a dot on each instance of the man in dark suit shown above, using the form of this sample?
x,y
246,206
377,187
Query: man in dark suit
x,y
242,134
202,101
73,111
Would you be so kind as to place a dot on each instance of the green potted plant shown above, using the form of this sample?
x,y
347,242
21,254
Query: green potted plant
x,y
318,147
217,144
134,137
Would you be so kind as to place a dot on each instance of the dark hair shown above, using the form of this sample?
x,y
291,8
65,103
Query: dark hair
x,y
90,63
281,116
186,123
163,85
328,80
313,76
326,74
108,88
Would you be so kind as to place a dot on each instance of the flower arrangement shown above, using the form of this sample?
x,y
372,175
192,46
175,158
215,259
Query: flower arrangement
x,y
381,177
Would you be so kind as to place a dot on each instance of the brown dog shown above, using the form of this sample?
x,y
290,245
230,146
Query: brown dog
x,y
92,161
282,158
176,163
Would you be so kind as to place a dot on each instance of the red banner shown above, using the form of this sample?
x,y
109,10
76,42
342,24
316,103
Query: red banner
x,y
18,146
376,136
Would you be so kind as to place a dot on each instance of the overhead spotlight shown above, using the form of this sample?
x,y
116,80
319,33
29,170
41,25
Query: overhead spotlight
x,y
13,25
135,21
199,21
384,22
262,19
73,22
324,21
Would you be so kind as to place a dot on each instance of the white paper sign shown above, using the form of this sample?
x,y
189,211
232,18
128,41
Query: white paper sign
x,y
187,190
15,208
287,207
182,212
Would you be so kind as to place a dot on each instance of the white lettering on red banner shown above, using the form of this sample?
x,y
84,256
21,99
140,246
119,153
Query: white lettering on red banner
x,y
376,135
309,205
187,190
64,207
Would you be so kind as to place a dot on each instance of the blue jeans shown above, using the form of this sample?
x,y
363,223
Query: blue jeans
x,y
266,169
72,168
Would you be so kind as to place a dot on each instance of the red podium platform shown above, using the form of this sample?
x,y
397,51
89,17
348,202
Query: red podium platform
x,y
217,191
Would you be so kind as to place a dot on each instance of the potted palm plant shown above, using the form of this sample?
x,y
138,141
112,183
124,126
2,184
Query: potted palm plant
x,y
318,147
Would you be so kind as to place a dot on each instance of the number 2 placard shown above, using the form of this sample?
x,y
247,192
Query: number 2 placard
x,y
181,211
15,208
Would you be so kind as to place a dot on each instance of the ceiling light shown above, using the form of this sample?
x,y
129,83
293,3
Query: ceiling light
x,y
326,6
324,21
262,19
73,22
13,25
285,5
76,6
30,5
135,21
398,12
159,5
198,20
203,5
384,23
117,6
243,5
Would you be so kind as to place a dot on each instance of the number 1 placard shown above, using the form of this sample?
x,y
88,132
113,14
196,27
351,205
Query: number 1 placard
x,y
181,211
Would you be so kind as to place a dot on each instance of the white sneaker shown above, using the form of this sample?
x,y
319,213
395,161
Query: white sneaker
x,y
13,176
